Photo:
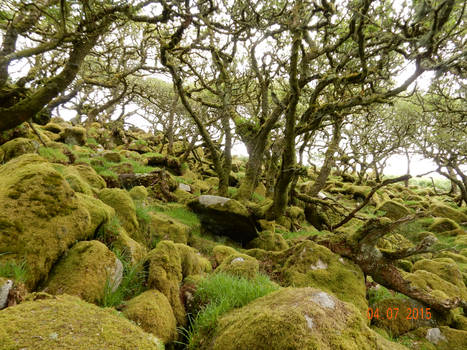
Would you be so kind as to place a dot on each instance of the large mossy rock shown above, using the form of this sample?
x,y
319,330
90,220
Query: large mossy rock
x,y
444,211
74,136
40,215
225,217
442,225
67,322
296,318
308,264
445,268
18,147
124,207
85,271
393,210
437,338
163,227
269,240
152,312
239,265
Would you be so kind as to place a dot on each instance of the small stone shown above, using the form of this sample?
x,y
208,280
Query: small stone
x,y
434,335
323,299
4,291
309,321
184,187
320,265
53,336
237,260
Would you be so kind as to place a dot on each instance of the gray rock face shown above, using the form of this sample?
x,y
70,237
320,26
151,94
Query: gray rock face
x,y
225,217
4,291
434,335
184,187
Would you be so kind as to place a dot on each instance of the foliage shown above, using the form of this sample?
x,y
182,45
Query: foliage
x,y
220,293
14,270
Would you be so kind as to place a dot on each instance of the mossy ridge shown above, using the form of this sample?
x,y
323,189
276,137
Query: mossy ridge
x,y
67,322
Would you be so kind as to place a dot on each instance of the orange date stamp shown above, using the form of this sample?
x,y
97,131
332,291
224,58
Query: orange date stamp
x,y
391,313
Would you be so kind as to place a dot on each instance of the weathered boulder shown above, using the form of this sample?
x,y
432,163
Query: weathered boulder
x,y
295,318
138,193
124,207
40,215
89,175
437,338
445,268
269,240
152,312
225,217
192,262
67,322
17,147
240,265
308,264
445,211
74,135
84,271
5,287
220,252
393,210
163,227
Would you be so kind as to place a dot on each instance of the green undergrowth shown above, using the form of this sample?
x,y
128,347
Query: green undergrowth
x,y
132,284
220,293
52,154
14,270
143,212
375,295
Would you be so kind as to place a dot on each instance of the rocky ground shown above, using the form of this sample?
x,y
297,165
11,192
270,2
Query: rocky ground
x,y
107,242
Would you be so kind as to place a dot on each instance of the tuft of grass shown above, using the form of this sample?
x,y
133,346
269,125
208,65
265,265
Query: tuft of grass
x,y
142,212
381,293
132,284
12,269
92,141
52,154
220,293
183,215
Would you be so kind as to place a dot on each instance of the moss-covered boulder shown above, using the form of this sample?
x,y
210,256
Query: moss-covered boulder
x,y
124,207
113,157
269,240
2,155
131,249
40,215
394,315
67,322
445,211
152,312
437,338
308,264
393,210
74,135
192,262
76,182
88,174
240,265
99,212
220,252
163,227
17,147
225,217
445,268
165,275
84,271
139,193
296,318
443,224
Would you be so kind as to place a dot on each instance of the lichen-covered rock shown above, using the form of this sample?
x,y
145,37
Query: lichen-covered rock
x,y
40,215
139,193
445,268
163,227
443,224
393,315
17,147
124,207
84,271
295,319
220,252
152,312
193,263
74,136
165,275
308,264
240,265
269,240
225,217
393,210
67,322
445,211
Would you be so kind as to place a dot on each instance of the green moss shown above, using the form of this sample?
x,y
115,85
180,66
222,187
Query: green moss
x,y
54,220
448,339
139,193
192,262
218,294
124,207
66,322
89,175
84,271
393,210
291,318
52,154
164,227
221,252
240,265
447,212
18,147
152,312
165,275
443,224
269,240
445,268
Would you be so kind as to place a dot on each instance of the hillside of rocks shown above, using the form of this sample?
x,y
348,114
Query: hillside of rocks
x,y
108,242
